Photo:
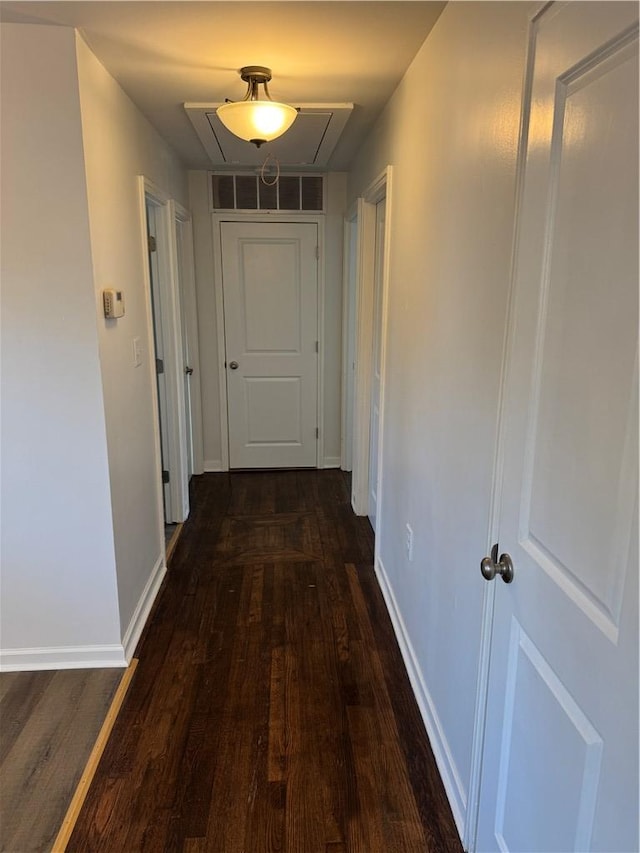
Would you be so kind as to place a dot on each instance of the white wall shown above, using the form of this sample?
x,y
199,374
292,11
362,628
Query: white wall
x,y
450,131
82,537
59,597
120,145
209,368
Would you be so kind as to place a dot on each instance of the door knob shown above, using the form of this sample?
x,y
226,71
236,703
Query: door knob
x,y
233,365
503,567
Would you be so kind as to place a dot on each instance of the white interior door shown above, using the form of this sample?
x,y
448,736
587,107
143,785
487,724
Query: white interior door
x,y
187,358
158,340
270,285
560,762
376,361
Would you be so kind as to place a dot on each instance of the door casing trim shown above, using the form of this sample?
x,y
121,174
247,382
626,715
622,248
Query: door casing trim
x,y
380,188
167,266
190,312
349,285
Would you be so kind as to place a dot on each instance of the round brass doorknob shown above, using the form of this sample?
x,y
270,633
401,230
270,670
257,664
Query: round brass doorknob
x,y
504,568
233,365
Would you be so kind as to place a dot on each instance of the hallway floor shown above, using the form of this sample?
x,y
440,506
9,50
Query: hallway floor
x,y
49,722
270,710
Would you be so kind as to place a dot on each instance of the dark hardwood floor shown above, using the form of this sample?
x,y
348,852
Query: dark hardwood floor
x,y
270,710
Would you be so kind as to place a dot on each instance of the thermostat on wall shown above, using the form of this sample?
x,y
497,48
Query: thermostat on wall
x,y
113,303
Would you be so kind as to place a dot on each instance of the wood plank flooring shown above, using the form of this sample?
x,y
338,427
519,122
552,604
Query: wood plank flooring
x,y
48,724
270,710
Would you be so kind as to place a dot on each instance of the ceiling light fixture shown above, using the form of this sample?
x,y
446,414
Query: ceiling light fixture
x,y
252,119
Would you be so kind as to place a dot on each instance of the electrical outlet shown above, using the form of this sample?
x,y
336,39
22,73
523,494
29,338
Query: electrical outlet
x,y
409,543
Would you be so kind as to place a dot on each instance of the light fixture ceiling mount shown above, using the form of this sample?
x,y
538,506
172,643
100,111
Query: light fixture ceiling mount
x,y
252,119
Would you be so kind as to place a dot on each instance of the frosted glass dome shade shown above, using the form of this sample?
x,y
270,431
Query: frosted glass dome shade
x,y
257,121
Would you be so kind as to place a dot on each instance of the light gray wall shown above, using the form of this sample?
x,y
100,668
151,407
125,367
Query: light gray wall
x,y
58,564
450,132
209,368
120,145
81,531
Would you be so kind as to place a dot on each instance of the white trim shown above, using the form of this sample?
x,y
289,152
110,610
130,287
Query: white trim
x,y
349,260
345,444
168,285
386,188
173,367
143,608
364,343
331,462
366,213
190,312
221,342
452,782
320,222
376,190
303,218
213,465
157,195
147,190
62,657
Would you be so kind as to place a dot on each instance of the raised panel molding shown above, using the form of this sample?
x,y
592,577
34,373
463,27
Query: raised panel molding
x,y
532,686
273,404
584,375
263,286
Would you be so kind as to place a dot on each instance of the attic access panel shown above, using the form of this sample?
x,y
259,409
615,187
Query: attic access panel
x,y
309,142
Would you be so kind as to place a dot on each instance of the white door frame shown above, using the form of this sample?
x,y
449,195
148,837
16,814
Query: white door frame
x,y
366,216
155,259
349,288
168,283
189,304
216,220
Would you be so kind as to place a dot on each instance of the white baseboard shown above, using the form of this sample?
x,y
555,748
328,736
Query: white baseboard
x,y
89,657
212,465
143,608
446,765
62,657
331,462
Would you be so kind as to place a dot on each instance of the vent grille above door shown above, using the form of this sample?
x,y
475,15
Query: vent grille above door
x,y
303,193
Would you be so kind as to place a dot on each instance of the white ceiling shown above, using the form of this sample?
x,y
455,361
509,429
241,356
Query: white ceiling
x,y
166,53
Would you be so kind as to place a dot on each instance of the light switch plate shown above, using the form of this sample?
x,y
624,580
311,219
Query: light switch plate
x,y
137,352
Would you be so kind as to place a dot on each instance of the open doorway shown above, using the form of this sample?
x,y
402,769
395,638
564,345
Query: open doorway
x,y
350,286
167,260
371,248
159,352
